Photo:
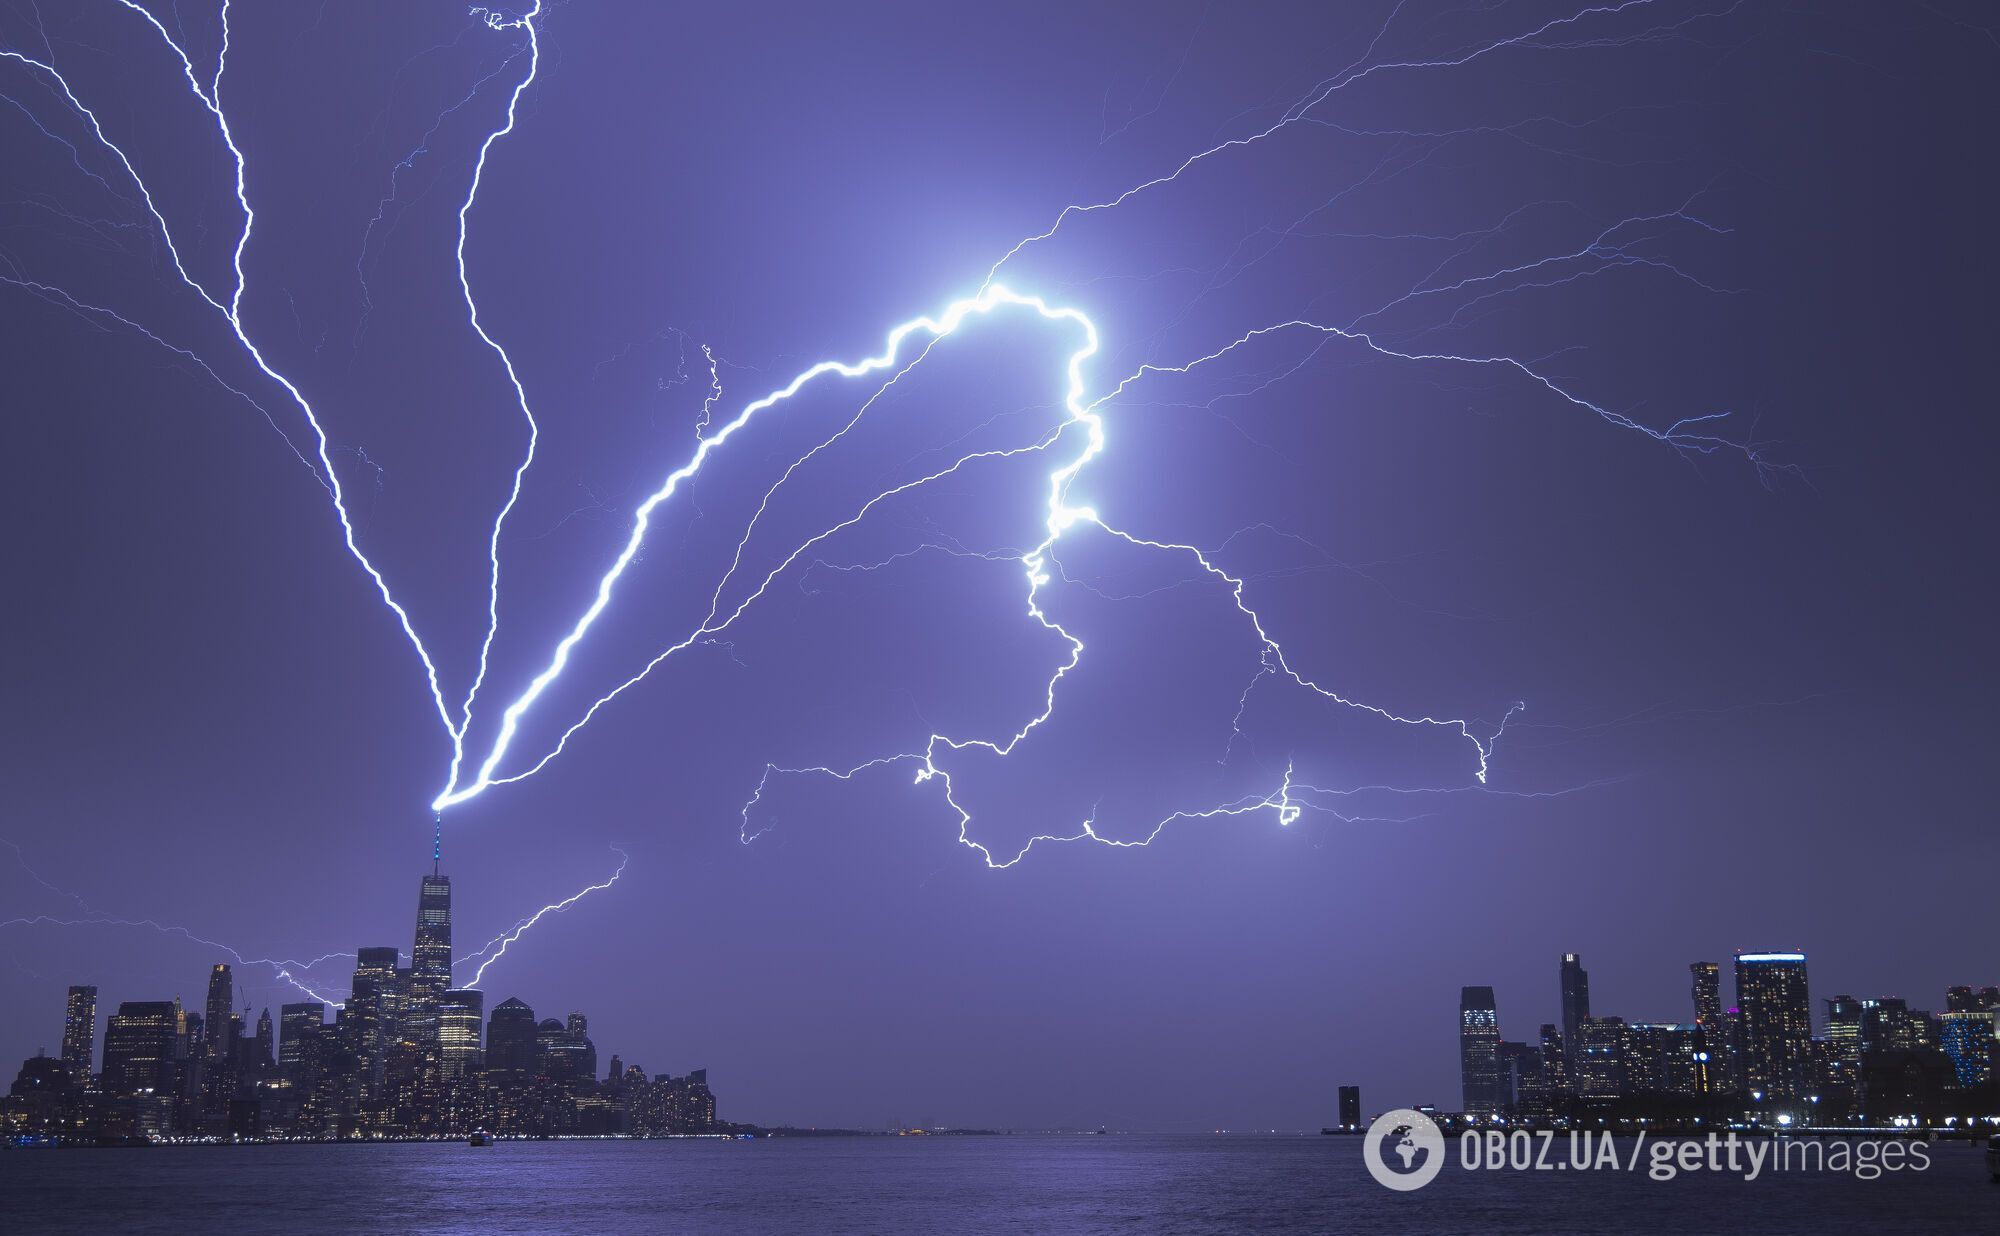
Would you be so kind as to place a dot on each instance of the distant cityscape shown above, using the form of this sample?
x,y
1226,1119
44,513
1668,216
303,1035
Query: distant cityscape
x,y
409,1056
1875,1062
403,1057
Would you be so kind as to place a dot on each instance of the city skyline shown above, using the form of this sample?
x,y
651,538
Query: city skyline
x,y
1586,402
405,1056
1773,1057
1762,1040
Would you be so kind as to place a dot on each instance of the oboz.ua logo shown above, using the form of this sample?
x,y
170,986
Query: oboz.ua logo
x,y
1404,1149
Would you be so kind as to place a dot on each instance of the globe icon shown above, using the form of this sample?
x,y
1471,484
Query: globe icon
x,y
1416,1143
1406,1150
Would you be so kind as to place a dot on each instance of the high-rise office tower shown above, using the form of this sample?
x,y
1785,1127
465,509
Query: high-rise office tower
x,y
1575,1005
1478,1051
1664,1058
217,1065
1523,1085
1599,1053
430,958
1350,1107
1707,993
373,1018
1843,1029
1967,1038
564,1052
257,1057
460,1103
221,996
1777,1024
1888,1025
511,1051
296,1024
80,1031
1841,1062
1556,1080
1960,999
418,1062
459,1015
139,1047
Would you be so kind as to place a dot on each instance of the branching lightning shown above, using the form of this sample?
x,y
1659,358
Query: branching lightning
x,y
1071,447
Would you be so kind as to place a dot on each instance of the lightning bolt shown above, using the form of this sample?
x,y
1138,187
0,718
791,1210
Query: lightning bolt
x,y
1078,441
287,970
499,944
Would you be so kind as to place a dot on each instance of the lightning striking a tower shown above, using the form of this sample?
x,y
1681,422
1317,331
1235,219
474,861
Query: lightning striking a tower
x,y
1072,449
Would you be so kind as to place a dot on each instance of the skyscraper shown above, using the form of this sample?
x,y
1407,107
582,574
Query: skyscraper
x,y
372,1019
257,1058
1575,1005
221,998
1777,1024
511,1056
1523,1085
1478,1051
1664,1058
513,1061
1967,1037
1888,1025
430,958
459,1015
1600,1058
1843,1029
80,1031
416,1065
1350,1107
1707,991
296,1024
460,1095
139,1047
217,1065
565,1054
1557,1083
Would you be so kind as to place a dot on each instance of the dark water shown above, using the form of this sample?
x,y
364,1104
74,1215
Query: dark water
x,y
1124,1184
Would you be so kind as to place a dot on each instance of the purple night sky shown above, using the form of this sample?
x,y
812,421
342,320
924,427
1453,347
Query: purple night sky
x,y
1757,678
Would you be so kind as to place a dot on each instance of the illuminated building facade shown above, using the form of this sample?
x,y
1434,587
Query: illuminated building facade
x,y
1478,1051
80,1030
1707,992
140,1047
1575,1004
1967,1038
1771,994
1599,1053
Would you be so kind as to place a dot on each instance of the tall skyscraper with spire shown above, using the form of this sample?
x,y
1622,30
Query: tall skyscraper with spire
x,y
420,1064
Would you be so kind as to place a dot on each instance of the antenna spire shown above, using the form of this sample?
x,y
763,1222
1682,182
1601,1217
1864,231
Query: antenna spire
x,y
437,841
